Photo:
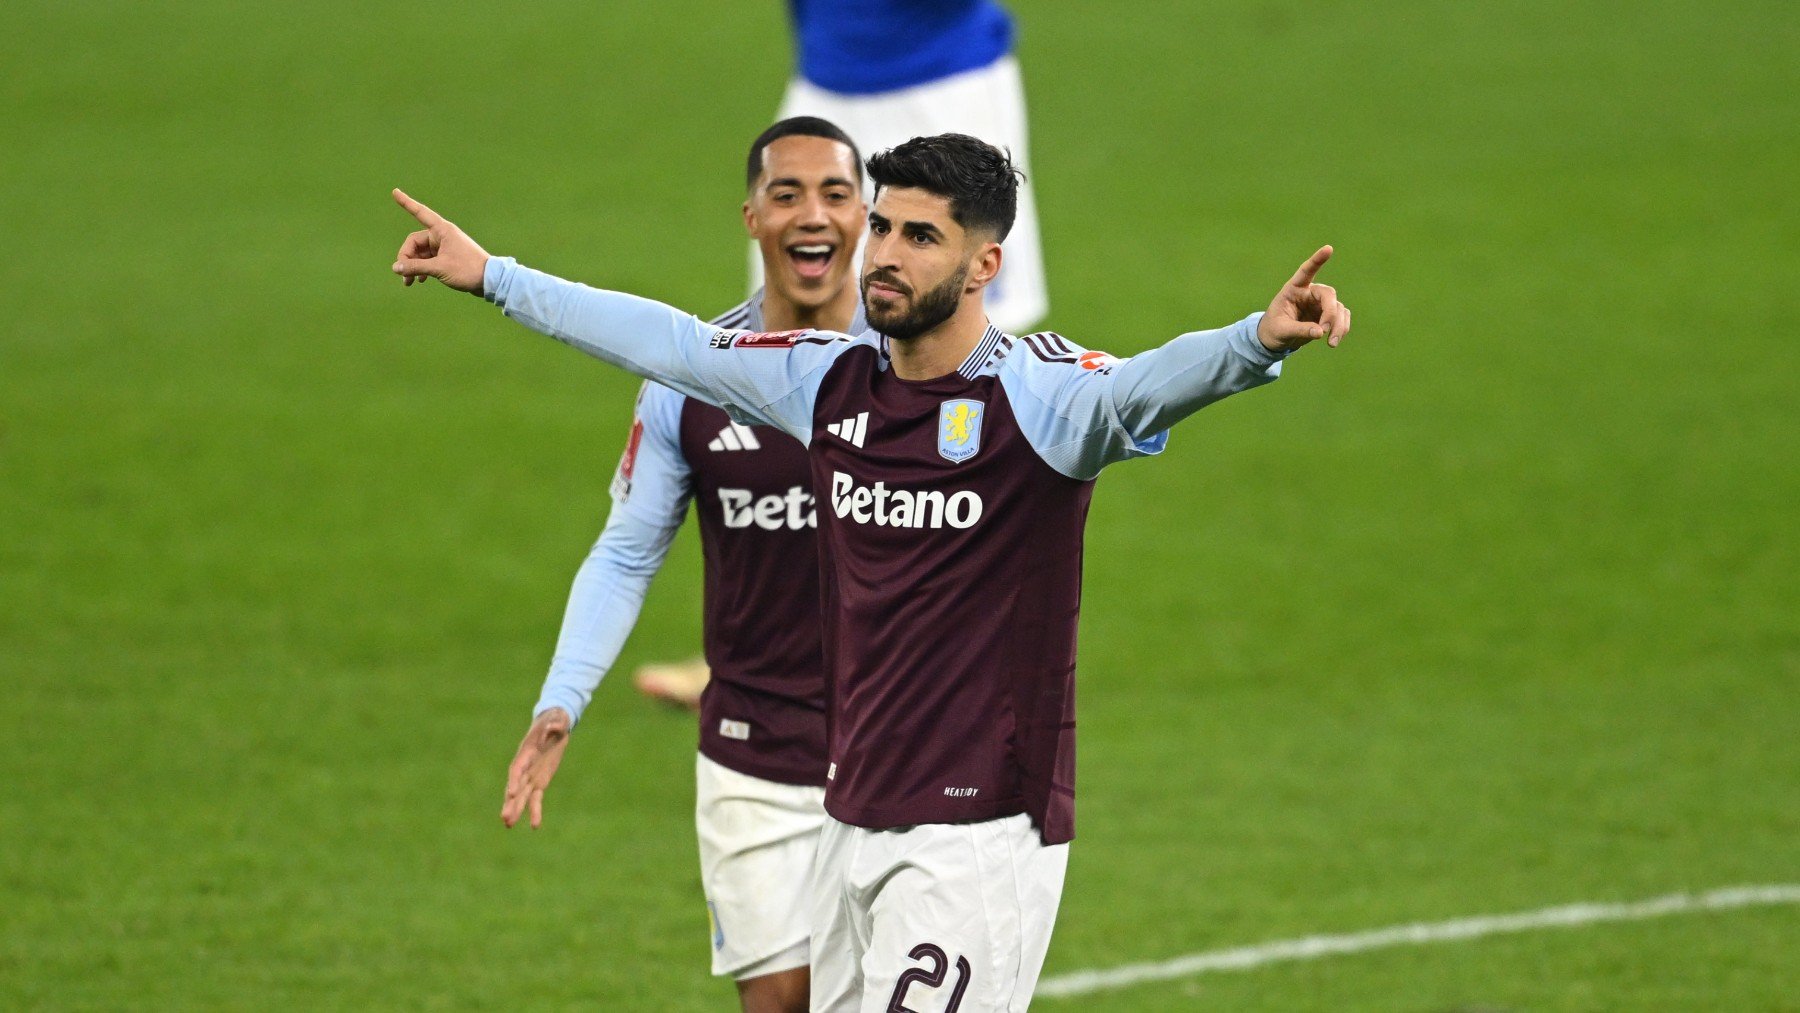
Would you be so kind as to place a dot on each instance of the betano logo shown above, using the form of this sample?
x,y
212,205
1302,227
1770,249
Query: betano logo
x,y
741,508
901,508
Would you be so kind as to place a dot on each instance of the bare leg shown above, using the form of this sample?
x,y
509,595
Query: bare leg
x,y
781,992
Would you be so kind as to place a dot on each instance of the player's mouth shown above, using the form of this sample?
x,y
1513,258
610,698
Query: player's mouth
x,y
811,260
885,287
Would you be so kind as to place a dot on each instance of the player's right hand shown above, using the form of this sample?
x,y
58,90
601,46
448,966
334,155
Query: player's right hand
x,y
539,755
440,251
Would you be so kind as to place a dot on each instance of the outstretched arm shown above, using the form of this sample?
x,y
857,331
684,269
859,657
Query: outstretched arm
x,y
771,381
1159,388
1086,411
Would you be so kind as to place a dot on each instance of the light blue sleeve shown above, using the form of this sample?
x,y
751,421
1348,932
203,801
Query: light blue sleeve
x,y
1082,417
765,382
650,491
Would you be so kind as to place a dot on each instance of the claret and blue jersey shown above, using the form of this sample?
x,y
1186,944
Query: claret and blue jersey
x,y
763,711
950,517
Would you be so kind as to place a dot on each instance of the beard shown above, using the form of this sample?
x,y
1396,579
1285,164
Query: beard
x,y
928,310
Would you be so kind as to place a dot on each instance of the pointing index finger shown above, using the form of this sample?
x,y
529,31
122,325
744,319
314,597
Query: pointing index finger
x,y
425,215
1304,276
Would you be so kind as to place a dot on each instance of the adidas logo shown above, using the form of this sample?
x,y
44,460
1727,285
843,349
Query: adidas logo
x,y
851,431
735,437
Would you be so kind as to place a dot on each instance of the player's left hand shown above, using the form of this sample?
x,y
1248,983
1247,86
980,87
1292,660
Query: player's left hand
x,y
1304,311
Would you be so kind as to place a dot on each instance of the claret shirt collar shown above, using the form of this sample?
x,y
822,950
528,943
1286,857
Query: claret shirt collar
x,y
984,354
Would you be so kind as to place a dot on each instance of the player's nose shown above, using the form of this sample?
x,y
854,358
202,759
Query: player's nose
x,y
878,252
813,214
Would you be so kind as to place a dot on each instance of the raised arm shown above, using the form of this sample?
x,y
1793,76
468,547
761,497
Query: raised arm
x,y
769,379
1159,388
1084,411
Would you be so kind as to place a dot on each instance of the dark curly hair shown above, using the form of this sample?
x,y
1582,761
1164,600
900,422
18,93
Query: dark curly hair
x,y
979,180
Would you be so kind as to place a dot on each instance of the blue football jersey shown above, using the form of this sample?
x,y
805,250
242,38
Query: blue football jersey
x,y
861,47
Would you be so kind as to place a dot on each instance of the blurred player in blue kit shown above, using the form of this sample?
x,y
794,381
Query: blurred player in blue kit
x,y
760,772
890,70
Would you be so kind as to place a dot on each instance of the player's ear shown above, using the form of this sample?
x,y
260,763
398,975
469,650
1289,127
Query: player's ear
x,y
985,266
749,219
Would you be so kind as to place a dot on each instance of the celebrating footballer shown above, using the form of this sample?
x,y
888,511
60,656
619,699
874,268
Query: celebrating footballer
x,y
952,466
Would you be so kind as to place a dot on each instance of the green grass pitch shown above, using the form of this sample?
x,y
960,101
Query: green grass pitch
x,y
1490,610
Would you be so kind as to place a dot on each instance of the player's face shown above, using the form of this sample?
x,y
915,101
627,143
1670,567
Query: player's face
x,y
916,264
806,214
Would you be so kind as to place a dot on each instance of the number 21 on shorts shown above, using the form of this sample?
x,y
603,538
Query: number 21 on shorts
x,y
933,978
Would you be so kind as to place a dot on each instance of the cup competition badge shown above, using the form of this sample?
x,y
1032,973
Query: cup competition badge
x,y
959,430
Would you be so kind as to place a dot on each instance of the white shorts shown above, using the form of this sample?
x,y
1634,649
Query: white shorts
x,y
936,917
988,103
757,840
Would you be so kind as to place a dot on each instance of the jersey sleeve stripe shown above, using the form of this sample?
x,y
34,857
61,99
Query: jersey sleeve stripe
x,y
1041,346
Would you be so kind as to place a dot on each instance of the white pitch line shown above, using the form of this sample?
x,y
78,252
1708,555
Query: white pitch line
x,y
1417,934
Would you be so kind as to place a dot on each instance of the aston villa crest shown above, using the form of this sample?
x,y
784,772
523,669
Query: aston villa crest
x,y
959,429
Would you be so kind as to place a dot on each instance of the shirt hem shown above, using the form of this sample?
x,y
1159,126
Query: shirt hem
x,y
870,818
778,773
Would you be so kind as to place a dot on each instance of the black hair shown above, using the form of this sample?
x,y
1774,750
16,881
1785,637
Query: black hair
x,y
796,126
978,179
